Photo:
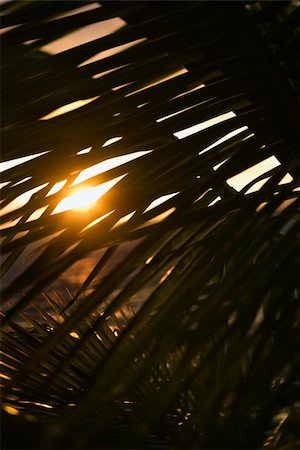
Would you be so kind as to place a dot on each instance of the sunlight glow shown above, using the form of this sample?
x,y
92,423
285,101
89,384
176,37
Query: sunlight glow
x,y
140,106
241,180
161,80
160,200
286,179
123,220
103,166
224,138
199,86
21,200
215,201
74,335
15,162
203,125
56,188
37,214
84,151
6,377
220,164
112,141
248,137
21,181
43,405
120,86
99,219
161,119
83,199
68,108
158,218
84,35
202,195
149,260
79,10
111,52
165,276
11,410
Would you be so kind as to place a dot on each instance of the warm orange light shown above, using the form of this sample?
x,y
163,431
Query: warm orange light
x,y
11,410
85,198
81,199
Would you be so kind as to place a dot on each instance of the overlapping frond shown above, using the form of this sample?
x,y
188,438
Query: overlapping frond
x,y
179,120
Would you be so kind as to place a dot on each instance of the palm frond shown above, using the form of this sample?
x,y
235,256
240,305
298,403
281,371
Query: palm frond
x,y
184,332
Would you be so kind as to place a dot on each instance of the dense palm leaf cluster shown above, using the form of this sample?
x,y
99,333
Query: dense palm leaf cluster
x,y
185,333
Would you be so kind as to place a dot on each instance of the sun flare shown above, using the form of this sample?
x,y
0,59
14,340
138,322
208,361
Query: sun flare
x,y
81,199
85,198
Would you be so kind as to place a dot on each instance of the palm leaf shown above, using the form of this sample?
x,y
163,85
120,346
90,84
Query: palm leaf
x,y
183,333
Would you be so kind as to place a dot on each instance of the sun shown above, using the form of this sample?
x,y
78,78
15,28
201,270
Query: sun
x,y
84,198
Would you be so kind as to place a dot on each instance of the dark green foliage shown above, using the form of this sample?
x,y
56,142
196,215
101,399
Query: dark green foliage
x,y
185,333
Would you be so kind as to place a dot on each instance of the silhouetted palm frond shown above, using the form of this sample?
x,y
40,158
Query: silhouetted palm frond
x,y
183,332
